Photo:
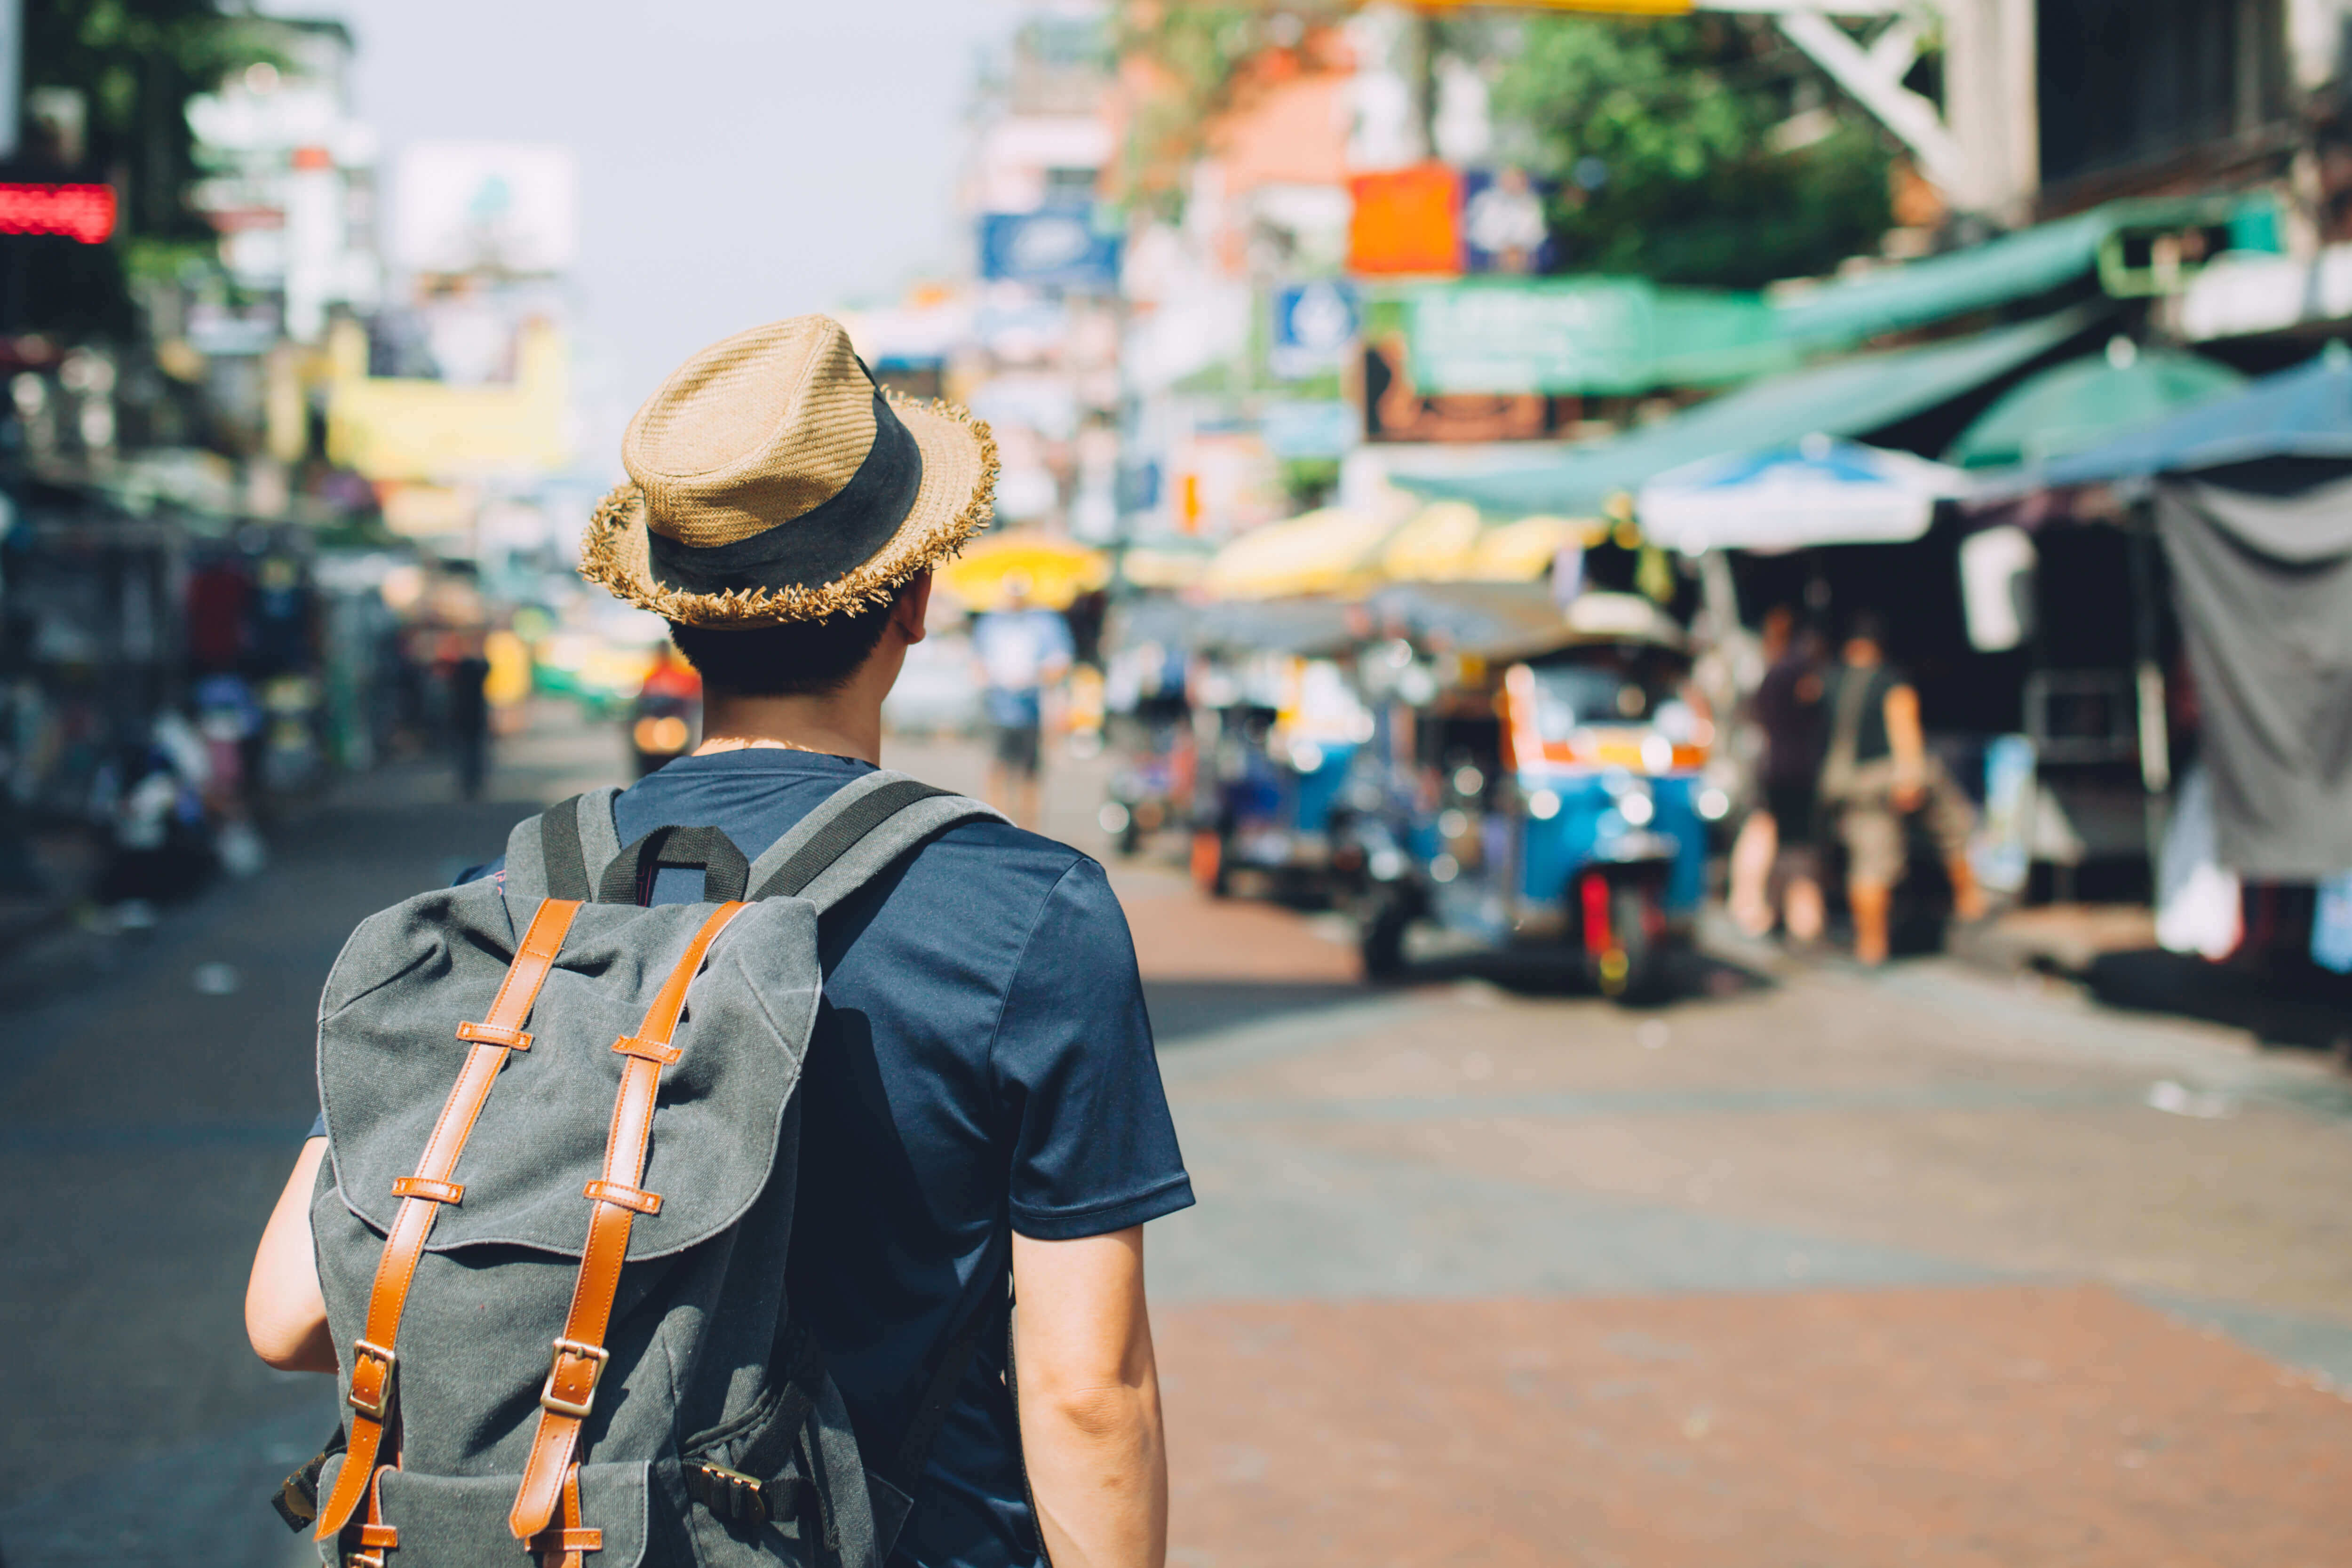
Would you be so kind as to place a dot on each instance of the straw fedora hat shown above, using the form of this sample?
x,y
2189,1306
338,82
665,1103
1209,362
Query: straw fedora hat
x,y
772,481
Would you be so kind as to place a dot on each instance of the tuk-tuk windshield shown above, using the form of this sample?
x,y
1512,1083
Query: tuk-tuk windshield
x,y
1604,686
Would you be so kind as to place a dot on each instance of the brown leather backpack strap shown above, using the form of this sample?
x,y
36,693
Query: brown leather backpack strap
x,y
615,1200
377,1537
373,1360
564,1545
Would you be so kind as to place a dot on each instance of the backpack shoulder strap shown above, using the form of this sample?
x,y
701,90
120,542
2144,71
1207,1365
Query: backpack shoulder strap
x,y
561,852
857,834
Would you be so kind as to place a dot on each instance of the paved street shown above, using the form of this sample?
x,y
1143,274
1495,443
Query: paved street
x,y
1809,1268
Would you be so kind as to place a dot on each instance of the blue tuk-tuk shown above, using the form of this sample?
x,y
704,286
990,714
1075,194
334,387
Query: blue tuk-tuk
x,y
1545,783
1279,730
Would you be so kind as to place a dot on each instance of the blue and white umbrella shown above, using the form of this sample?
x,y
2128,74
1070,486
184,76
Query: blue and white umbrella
x,y
1817,492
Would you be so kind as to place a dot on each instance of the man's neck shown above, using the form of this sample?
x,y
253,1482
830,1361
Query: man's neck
x,y
846,723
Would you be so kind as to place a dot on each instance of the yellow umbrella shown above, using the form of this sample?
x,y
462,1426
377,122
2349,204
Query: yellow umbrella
x,y
1325,551
1434,546
1521,552
1052,569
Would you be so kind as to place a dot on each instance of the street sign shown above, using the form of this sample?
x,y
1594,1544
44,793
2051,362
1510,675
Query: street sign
x,y
1301,428
1314,324
1580,336
1059,247
1589,336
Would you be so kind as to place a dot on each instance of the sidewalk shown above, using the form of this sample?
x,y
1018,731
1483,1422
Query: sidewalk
x,y
155,1086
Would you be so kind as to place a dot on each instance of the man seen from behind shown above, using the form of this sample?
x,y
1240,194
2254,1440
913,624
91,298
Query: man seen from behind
x,y
983,1102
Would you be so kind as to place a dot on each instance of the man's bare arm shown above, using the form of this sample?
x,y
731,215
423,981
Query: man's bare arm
x,y
285,1314
1090,1426
1906,738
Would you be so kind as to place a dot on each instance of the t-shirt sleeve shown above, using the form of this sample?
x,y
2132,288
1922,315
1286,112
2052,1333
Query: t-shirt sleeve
x,y
1093,1147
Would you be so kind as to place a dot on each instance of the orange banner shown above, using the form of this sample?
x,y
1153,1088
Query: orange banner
x,y
1406,221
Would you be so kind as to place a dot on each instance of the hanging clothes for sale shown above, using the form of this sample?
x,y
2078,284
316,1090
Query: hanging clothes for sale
x,y
2262,570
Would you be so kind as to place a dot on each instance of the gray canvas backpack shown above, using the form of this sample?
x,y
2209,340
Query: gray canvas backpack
x,y
552,1229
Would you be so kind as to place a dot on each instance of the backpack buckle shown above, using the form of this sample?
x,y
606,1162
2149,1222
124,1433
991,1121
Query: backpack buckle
x,y
595,1356
371,1368
730,1494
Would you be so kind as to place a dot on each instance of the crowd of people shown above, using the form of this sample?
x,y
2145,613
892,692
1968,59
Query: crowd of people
x,y
1844,766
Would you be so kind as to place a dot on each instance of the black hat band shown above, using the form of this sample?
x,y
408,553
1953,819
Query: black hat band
x,y
823,544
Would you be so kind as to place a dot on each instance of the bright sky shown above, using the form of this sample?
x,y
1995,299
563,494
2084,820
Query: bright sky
x,y
741,160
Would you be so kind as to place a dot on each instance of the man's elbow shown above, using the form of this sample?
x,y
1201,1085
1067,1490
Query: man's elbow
x,y
1108,1414
274,1337
272,1342
290,1335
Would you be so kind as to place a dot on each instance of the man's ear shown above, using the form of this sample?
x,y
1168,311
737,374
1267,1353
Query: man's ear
x,y
912,611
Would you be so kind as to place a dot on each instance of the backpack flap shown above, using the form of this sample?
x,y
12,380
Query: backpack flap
x,y
388,1053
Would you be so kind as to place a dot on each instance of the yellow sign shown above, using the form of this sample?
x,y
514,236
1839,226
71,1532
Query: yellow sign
x,y
391,428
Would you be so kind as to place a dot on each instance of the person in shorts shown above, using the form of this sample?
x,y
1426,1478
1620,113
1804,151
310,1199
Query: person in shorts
x,y
1877,774
1022,651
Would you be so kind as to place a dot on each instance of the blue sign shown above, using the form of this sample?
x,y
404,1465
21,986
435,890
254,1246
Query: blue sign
x,y
1296,429
1314,326
1059,247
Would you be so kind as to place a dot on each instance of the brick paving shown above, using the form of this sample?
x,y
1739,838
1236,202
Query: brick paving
x,y
1976,1426
1809,1268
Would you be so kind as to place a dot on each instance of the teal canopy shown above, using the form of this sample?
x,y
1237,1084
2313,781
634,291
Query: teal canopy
x,y
1848,397
2073,407
2022,266
2300,414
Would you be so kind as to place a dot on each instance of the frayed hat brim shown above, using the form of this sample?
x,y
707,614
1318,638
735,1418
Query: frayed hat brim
x,y
955,501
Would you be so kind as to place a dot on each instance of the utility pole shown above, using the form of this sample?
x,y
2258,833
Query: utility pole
x,y
1983,147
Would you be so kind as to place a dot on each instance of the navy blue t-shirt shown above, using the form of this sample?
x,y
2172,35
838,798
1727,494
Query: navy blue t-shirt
x,y
987,1066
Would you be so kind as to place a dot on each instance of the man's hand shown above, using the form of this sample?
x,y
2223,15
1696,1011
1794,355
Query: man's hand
x,y
1089,1390
285,1314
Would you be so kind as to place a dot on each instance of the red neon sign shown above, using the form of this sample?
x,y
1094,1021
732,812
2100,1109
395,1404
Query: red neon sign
x,y
85,212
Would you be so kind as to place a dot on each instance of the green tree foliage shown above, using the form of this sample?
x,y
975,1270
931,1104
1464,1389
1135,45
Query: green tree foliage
x,y
1660,134
135,63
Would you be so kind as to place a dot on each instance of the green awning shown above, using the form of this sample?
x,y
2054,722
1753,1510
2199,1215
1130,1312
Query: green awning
x,y
2022,266
1849,397
2073,407
1581,336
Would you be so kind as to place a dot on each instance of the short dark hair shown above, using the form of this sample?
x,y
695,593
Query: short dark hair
x,y
798,658
1866,626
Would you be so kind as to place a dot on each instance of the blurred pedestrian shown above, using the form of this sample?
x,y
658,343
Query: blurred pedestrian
x,y
469,718
1022,651
666,712
1876,774
1775,848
